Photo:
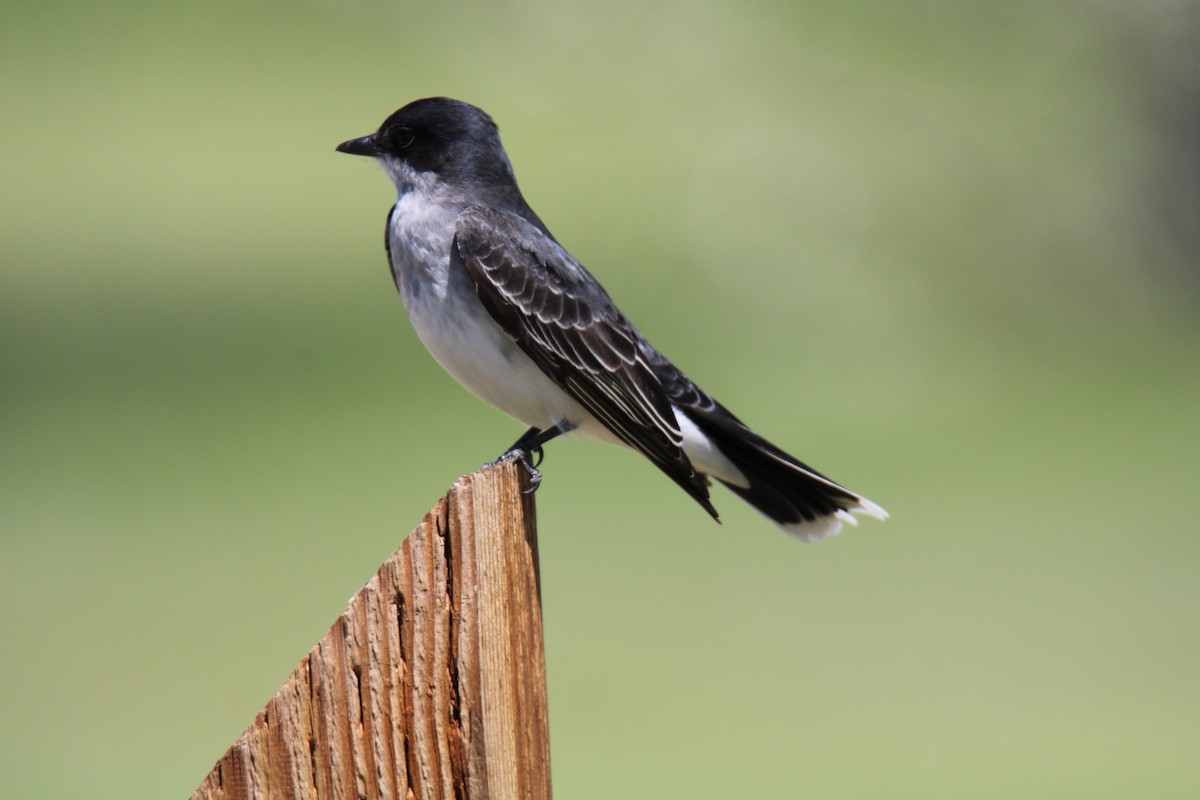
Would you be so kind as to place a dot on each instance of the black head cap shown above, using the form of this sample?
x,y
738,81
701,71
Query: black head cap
x,y
453,139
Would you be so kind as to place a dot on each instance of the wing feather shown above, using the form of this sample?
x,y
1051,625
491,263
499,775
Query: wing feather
x,y
561,317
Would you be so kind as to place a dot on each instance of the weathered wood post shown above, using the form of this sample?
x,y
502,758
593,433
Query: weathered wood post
x,y
432,683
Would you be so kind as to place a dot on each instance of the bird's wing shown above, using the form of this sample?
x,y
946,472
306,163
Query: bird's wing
x,y
561,317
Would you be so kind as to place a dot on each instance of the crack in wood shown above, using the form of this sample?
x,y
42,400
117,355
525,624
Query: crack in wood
x,y
475,725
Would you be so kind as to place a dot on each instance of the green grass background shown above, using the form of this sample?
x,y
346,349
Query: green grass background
x,y
945,252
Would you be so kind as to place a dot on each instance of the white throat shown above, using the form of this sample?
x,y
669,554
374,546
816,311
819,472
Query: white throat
x,y
420,231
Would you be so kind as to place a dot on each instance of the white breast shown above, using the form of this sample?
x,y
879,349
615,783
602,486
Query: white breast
x,y
458,331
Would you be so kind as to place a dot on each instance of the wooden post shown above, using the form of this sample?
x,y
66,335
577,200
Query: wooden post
x,y
432,684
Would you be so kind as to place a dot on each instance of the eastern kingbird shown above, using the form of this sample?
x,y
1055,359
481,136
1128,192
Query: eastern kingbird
x,y
507,311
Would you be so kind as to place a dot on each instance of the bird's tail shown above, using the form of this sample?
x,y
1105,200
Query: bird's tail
x,y
800,500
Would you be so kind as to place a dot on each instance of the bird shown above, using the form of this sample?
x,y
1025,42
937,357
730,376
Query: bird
x,y
518,321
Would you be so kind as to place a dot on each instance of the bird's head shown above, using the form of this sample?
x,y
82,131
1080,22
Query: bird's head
x,y
441,139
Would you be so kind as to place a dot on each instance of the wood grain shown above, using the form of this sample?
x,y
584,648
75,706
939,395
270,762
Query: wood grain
x,y
432,683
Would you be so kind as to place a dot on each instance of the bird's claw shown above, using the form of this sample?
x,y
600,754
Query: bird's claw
x,y
522,457
535,477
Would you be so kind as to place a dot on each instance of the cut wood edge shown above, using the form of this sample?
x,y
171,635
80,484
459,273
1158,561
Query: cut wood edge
x,y
431,684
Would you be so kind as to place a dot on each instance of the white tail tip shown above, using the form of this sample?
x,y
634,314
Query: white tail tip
x,y
815,530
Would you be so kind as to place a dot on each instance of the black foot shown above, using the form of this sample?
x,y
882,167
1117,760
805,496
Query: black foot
x,y
528,451
538,454
522,457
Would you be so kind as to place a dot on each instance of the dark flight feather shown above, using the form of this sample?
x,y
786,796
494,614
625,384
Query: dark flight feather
x,y
560,317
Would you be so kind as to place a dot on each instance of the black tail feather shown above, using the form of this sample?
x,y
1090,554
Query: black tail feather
x,y
781,487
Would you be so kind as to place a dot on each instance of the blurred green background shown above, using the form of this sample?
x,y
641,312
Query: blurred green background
x,y
946,252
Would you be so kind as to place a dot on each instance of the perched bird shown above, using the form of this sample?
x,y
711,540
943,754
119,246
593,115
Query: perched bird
x,y
507,311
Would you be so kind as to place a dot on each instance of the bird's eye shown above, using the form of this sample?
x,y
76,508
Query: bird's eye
x,y
402,137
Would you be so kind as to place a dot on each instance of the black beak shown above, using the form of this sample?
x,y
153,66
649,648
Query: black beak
x,y
362,146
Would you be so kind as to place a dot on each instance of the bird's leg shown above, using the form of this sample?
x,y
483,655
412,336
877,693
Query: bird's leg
x,y
520,445
530,444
